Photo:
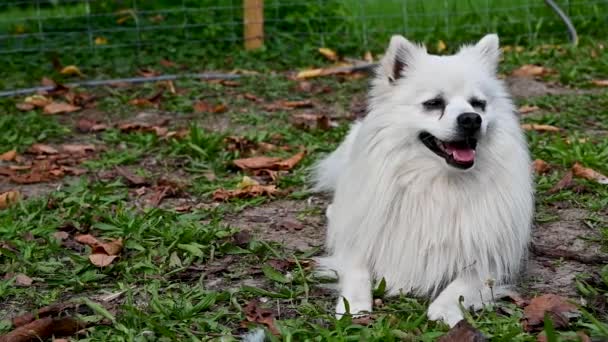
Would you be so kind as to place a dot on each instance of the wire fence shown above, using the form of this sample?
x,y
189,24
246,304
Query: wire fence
x,y
84,27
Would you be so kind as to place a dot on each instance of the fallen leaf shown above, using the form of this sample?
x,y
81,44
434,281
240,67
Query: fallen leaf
x,y
255,313
540,128
329,54
229,83
564,183
253,163
525,109
251,97
43,329
8,155
59,108
42,149
147,72
37,100
220,108
112,247
87,239
8,198
47,82
288,105
540,166
23,280
89,125
531,70
101,41
289,163
77,148
133,179
556,306
242,238
589,174
441,46
71,70
368,57
167,63
152,101
60,236
247,192
311,121
600,83
201,107
463,332
246,182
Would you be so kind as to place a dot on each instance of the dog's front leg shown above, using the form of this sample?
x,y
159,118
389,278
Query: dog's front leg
x,y
446,306
355,287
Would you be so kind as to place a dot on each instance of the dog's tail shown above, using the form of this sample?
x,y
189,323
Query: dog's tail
x,y
326,172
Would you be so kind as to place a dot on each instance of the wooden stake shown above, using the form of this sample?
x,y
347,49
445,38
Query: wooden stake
x,y
253,22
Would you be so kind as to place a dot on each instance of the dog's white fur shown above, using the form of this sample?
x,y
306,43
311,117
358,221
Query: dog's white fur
x,y
400,212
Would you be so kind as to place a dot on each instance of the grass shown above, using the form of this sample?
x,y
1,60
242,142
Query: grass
x,y
190,275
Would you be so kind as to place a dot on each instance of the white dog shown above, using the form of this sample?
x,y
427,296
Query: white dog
x,y
432,189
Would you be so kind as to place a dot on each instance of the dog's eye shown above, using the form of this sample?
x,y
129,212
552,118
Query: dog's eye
x,y
477,103
433,104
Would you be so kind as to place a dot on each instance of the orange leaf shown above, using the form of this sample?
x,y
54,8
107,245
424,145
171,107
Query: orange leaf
x,y
540,166
255,163
289,163
60,107
110,248
78,148
527,109
589,174
9,197
563,183
530,70
600,83
9,155
540,128
246,192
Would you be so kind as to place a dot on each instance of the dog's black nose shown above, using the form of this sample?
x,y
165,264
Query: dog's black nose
x,y
469,122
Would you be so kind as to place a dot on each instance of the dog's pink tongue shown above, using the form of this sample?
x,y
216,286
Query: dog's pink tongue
x,y
463,155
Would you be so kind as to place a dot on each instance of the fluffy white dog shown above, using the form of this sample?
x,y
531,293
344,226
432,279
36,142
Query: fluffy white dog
x,y
432,190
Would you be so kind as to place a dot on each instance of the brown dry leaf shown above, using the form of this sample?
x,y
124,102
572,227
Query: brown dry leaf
x,y
289,163
589,174
8,155
201,107
556,306
110,248
255,313
71,70
23,280
254,163
167,63
43,329
329,54
540,128
133,179
102,260
37,100
525,109
220,108
368,57
463,332
540,166
564,183
147,72
42,149
247,192
152,101
251,97
229,83
600,83
8,198
89,125
297,104
311,121
87,239
77,148
531,70
60,108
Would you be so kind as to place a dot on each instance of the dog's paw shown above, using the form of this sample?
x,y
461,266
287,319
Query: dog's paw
x,y
447,312
357,309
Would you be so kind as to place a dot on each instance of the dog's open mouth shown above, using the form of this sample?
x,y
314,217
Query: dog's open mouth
x,y
457,153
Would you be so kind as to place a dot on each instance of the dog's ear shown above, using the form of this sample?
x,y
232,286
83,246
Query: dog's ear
x,y
489,50
398,58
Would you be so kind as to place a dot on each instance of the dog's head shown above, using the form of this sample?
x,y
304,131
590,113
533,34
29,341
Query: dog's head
x,y
444,103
